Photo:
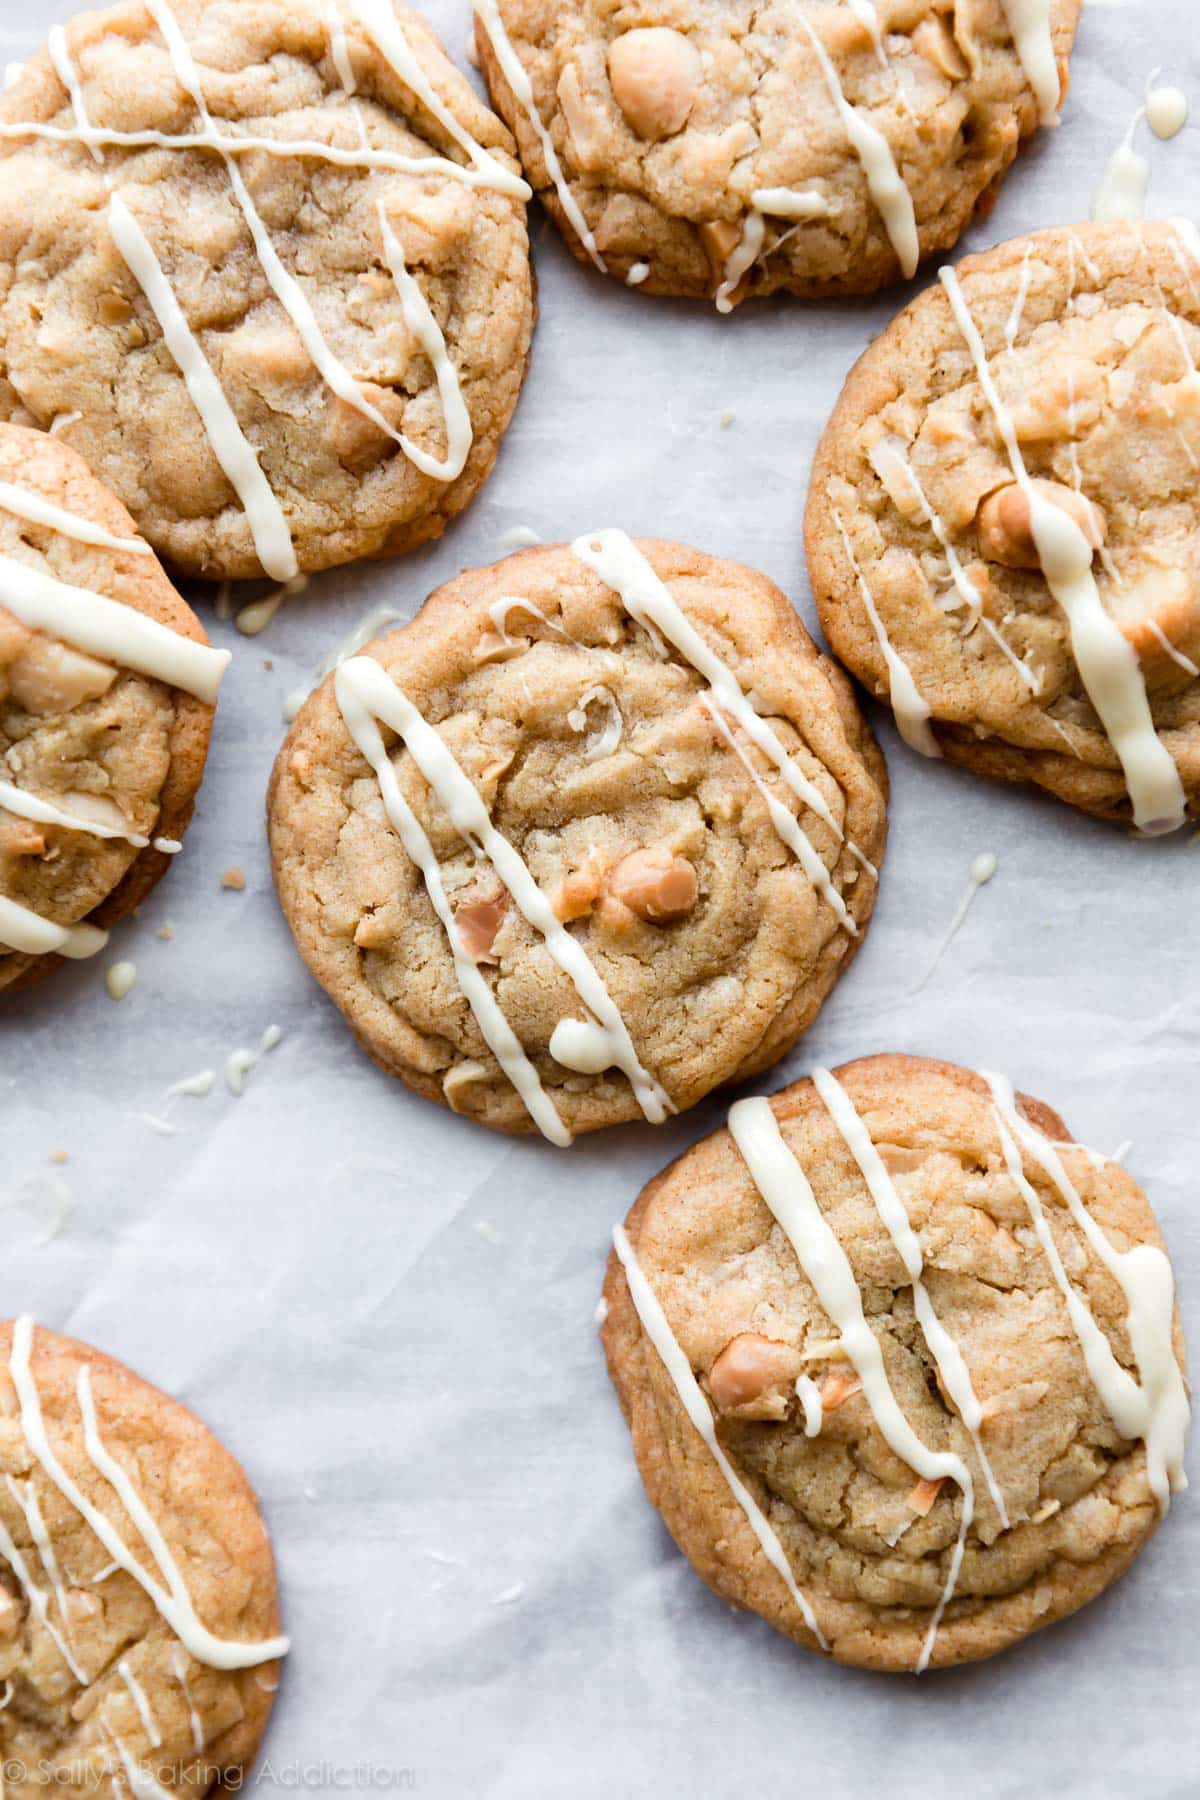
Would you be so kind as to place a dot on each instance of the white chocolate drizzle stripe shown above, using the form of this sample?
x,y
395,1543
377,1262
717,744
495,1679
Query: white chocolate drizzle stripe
x,y
1107,664
947,1356
137,1694
655,1325
173,1602
365,681
619,563
264,515
1029,23
886,185
109,630
488,14
907,701
179,1670
44,812
743,256
359,715
29,933
339,50
1176,655
142,1784
24,503
292,298
341,155
1153,1408
381,24
785,1190
39,1603
64,68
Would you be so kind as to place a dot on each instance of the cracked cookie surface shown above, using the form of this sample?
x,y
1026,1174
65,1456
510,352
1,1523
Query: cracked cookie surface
x,y
95,1681
592,747
100,742
869,1544
679,124
1091,337
80,342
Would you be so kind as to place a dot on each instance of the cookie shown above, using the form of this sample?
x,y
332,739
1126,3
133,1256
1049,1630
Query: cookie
x,y
631,846
902,1365
139,1623
107,687
1003,527
267,267
711,150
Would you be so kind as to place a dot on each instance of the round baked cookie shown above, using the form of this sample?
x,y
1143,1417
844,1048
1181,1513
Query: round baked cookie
x,y
280,360
159,1679
1003,526
862,1290
699,147
100,757
668,814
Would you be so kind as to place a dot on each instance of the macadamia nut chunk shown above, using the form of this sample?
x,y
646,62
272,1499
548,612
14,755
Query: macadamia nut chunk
x,y
655,75
656,885
1006,530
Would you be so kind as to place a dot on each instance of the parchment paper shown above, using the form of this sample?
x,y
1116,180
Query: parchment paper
x,y
387,1312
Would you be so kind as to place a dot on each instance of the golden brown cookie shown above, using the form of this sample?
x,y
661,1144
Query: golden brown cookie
x,y
139,1619
1003,528
280,358
820,146
911,1320
104,717
668,813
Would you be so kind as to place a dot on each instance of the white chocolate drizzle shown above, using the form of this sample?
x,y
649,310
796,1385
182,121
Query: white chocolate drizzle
x,y
179,1670
104,628
948,1358
1126,179
1166,108
909,705
497,1033
264,515
742,257
790,203
982,870
428,333
44,812
168,1590
488,14
1177,656
339,51
1154,1407
785,1190
1107,664
1029,23
38,1599
24,503
655,1325
137,1694
809,1396
649,602
886,185
29,933
64,68
365,693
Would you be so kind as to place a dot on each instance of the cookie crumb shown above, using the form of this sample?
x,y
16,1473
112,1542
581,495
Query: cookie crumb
x,y
166,932
234,878
60,1156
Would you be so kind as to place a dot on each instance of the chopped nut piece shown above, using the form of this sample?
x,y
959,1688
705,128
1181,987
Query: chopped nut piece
x,y
47,677
934,40
923,1496
20,837
747,1368
656,885
655,77
720,238
839,1385
580,890
233,878
1005,528
478,920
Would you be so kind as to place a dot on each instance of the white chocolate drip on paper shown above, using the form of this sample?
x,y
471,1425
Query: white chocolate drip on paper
x,y
1154,1407
513,69
1166,108
947,1356
25,503
106,629
28,932
195,1087
264,515
239,1063
743,256
1107,664
137,1694
886,185
785,1189
982,870
64,68
517,537
655,1325
1126,179
909,705
368,691
498,1034
368,627
120,980
638,272
1029,23
379,20
168,1591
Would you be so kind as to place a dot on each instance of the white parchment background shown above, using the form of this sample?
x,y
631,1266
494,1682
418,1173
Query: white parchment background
x,y
387,1313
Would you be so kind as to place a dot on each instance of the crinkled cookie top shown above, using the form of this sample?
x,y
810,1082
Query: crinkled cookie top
x,y
679,124
869,1543
1092,339
593,748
